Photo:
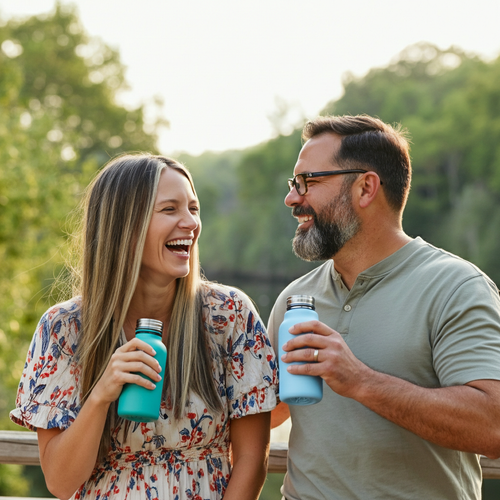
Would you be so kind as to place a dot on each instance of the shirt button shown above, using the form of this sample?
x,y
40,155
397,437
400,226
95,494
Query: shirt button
x,y
347,308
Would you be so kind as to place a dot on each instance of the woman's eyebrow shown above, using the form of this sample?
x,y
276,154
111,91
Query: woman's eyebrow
x,y
174,200
167,200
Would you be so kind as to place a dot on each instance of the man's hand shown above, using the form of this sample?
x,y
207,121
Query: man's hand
x,y
336,364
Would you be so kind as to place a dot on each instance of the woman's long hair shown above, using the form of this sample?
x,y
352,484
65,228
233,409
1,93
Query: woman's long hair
x,y
118,209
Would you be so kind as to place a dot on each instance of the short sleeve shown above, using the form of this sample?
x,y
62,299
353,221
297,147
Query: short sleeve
x,y
467,336
48,395
251,372
277,312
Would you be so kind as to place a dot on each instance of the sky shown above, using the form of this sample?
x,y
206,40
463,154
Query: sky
x,y
224,68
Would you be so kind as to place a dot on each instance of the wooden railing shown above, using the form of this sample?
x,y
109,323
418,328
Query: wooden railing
x,y
18,447
21,447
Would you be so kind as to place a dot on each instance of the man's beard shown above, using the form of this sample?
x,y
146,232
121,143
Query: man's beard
x,y
333,227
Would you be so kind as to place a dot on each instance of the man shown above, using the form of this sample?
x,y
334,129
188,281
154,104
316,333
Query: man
x,y
408,342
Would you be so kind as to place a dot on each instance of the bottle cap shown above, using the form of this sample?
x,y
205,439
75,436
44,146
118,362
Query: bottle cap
x,y
149,324
300,301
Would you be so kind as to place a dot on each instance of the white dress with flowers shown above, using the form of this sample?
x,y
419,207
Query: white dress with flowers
x,y
166,459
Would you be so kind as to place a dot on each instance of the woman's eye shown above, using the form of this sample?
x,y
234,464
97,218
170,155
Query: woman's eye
x,y
195,209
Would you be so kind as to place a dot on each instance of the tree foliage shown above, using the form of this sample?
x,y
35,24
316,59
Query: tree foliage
x,y
59,122
448,100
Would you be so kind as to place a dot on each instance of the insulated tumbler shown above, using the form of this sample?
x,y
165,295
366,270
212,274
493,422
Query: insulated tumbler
x,y
297,389
136,402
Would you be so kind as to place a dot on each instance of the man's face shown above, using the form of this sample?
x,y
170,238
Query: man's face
x,y
333,226
327,219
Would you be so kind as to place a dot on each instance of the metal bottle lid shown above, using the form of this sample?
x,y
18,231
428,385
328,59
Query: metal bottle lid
x,y
300,301
154,325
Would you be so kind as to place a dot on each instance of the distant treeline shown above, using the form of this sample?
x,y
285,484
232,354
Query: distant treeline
x,y
449,102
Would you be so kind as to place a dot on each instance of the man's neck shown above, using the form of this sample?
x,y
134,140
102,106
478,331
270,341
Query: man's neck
x,y
363,252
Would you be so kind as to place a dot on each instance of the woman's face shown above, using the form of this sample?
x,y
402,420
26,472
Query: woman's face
x,y
174,228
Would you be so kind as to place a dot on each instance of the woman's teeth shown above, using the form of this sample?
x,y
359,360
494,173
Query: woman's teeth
x,y
180,242
182,246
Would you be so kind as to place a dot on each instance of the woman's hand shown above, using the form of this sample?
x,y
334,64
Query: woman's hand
x,y
124,367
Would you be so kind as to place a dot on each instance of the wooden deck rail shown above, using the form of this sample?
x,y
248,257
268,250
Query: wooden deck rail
x,y
21,447
18,447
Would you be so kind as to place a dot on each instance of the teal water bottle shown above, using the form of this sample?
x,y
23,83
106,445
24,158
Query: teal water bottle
x,y
136,402
297,389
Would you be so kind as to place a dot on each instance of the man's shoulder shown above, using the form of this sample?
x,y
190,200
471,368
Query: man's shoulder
x,y
308,283
439,263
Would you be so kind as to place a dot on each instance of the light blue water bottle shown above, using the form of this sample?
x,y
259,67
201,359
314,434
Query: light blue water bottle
x,y
136,402
297,389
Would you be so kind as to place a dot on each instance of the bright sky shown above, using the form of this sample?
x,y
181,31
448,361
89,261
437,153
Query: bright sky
x,y
223,66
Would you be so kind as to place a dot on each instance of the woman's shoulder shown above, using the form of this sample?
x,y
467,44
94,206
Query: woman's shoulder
x,y
64,310
64,316
217,294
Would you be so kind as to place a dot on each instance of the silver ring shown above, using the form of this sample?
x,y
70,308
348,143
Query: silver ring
x,y
315,355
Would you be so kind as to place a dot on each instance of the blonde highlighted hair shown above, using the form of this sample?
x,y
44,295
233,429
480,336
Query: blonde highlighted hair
x,y
118,207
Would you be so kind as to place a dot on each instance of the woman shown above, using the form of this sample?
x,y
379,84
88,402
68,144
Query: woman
x,y
140,260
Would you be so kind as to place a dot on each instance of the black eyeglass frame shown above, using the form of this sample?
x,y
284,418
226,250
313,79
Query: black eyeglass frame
x,y
292,183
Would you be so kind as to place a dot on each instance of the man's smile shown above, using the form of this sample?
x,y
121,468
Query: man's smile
x,y
302,219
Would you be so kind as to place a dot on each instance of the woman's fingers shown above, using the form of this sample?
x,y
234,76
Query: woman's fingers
x,y
123,365
137,344
135,378
129,364
137,357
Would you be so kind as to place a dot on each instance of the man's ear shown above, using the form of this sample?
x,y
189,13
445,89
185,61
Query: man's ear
x,y
367,187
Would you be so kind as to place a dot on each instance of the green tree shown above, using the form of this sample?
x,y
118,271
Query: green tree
x,y
59,123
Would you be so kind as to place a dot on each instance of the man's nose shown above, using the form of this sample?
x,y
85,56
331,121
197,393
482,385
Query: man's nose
x,y
293,198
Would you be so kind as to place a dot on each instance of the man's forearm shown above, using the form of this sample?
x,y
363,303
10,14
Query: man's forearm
x,y
463,418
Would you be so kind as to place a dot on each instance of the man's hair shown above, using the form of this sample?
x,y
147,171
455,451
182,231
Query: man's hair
x,y
371,144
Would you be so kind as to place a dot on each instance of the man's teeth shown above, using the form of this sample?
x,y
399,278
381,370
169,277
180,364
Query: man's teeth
x,y
304,218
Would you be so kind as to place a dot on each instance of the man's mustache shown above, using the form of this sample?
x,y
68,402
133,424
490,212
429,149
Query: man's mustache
x,y
296,211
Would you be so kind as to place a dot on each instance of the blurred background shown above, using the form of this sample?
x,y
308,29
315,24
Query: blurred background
x,y
225,88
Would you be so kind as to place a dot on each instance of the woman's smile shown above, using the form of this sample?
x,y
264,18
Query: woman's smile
x,y
180,247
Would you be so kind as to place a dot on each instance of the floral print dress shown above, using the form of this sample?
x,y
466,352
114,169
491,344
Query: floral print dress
x,y
166,459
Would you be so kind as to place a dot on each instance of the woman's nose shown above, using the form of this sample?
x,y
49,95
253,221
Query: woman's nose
x,y
190,221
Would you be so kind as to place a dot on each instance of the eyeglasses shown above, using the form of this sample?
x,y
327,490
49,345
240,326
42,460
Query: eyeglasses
x,y
299,181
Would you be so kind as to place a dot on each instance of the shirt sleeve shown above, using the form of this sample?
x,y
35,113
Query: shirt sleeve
x,y
466,343
251,368
275,319
48,395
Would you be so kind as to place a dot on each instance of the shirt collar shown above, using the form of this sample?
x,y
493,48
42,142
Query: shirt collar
x,y
386,265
